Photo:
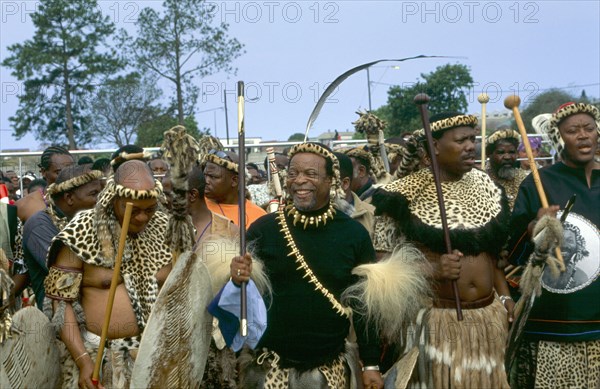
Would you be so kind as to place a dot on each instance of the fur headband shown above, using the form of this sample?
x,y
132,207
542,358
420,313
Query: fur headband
x,y
548,124
213,158
502,134
73,183
319,150
453,122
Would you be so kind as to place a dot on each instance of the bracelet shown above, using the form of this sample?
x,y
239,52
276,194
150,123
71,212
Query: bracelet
x,y
504,298
81,356
370,368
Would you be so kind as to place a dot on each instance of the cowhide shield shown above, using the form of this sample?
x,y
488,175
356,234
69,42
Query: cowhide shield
x,y
30,357
174,346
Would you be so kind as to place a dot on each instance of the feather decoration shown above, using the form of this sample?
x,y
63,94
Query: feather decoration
x,y
337,82
541,124
548,235
180,150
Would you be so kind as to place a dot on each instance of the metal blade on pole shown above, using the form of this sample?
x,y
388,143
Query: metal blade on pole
x,y
242,201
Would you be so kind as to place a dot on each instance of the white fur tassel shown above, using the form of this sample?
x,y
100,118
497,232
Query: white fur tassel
x,y
390,293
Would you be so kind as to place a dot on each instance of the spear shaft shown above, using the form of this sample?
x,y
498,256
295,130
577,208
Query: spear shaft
x,y
421,100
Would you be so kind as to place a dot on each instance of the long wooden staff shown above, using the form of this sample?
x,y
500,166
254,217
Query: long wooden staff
x,y
421,100
242,201
483,100
512,102
275,179
111,294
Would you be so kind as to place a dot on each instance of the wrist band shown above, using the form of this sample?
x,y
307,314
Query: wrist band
x,y
370,368
81,356
504,298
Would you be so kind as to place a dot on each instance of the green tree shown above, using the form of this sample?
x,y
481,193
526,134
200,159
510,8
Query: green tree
x,y
180,44
297,137
121,105
60,67
545,102
150,133
447,87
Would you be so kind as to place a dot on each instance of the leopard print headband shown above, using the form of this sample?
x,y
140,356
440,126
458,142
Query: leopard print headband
x,y
455,121
113,190
564,112
107,226
314,148
213,158
503,134
73,183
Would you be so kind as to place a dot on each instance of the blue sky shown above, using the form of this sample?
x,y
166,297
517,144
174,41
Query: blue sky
x,y
293,49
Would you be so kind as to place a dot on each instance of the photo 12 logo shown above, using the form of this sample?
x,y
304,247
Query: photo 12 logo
x,y
470,11
273,11
268,91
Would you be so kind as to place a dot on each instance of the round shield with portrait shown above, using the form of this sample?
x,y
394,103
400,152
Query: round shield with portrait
x,y
581,254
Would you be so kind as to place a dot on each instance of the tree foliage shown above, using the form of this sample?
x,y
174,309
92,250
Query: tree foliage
x,y
121,106
447,87
545,102
297,137
180,44
150,133
59,68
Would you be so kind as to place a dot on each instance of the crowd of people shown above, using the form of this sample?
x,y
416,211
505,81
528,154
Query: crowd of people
x,y
353,262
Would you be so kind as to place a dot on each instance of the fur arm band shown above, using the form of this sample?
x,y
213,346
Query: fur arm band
x,y
63,283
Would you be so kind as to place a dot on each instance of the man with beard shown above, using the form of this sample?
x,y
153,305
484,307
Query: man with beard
x,y
501,147
81,261
561,339
452,353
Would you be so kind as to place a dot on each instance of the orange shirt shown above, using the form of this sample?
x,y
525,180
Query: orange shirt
x,y
231,211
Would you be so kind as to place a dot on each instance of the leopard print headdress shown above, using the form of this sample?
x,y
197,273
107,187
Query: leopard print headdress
x,y
453,122
550,127
78,178
502,134
218,157
70,184
361,153
107,225
314,148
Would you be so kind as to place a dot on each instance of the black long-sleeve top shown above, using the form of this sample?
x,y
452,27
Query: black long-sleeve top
x,y
302,325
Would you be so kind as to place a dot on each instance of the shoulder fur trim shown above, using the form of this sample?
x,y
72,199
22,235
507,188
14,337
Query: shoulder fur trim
x,y
488,233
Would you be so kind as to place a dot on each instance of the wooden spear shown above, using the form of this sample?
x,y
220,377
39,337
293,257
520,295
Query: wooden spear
x,y
111,294
421,100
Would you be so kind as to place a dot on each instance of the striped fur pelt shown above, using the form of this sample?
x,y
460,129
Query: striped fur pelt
x,y
465,354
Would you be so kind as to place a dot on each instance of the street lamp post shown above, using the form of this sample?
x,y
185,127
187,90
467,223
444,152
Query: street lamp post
x,y
226,119
369,88
214,111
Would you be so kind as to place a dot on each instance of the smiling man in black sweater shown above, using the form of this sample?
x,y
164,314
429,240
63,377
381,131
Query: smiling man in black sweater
x,y
309,251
